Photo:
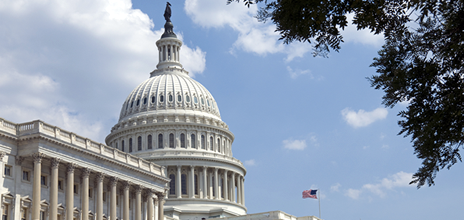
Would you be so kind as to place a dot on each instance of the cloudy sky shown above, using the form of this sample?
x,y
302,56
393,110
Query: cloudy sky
x,y
299,122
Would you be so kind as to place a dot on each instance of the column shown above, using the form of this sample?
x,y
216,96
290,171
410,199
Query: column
x,y
160,206
239,190
85,194
178,182
226,189
210,185
192,182
150,205
232,185
36,185
70,192
205,182
138,202
99,181
243,190
126,201
54,189
216,184
113,208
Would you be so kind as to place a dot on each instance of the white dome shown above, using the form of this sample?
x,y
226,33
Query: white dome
x,y
170,90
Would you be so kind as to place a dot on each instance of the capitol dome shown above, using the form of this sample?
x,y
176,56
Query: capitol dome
x,y
174,121
170,91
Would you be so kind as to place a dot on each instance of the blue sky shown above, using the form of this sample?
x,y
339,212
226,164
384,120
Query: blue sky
x,y
299,122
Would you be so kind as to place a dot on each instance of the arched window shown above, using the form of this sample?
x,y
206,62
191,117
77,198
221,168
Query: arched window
x,y
145,100
219,145
203,144
187,98
170,97
161,98
192,141
122,145
182,140
211,143
138,102
160,141
130,145
139,143
214,193
116,145
221,181
179,98
184,184
153,99
150,146
132,104
172,184
171,140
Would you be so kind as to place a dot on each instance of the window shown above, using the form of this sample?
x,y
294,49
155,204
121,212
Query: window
x,y
172,184
160,141
207,101
43,180
219,145
161,98
139,143
90,192
192,141
214,193
195,99
42,215
130,145
138,102
24,214
26,175
221,184
76,189
184,184
202,101
60,184
150,142
203,142
8,170
187,98
211,143
171,140
116,145
182,140
145,100
122,145
5,212
153,99
179,98
132,104
170,97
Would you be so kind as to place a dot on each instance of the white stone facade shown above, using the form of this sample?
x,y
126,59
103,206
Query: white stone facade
x,y
53,174
174,121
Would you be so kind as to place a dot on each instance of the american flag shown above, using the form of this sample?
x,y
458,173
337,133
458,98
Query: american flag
x,y
310,194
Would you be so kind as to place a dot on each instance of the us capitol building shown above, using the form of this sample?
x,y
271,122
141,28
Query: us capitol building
x,y
168,157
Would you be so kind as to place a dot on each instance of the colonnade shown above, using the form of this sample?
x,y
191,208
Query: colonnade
x,y
152,196
211,183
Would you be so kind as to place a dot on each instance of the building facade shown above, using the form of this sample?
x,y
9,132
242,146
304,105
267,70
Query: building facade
x,y
174,121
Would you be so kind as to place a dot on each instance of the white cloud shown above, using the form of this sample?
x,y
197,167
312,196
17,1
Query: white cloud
x,y
253,36
57,56
363,118
353,193
336,187
351,34
385,186
295,73
250,162
294,144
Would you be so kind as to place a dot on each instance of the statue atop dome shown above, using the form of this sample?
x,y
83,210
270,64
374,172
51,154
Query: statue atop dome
x,y
167,12
168,32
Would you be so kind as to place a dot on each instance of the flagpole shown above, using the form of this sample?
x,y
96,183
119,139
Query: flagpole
x,y
319,198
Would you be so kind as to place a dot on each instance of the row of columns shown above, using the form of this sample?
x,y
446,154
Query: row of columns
x,y
85,194
207,188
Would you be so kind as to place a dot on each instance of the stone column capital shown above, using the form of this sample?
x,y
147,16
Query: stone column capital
x,y
138,189
126,184
85,172
2,154
99,177
113,181
38,157
71,167
55,162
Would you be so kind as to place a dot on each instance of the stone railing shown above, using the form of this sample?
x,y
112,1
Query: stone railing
x,y
274,215
190,153
41,127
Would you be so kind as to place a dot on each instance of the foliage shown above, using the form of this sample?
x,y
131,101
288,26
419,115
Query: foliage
x,y
421,62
